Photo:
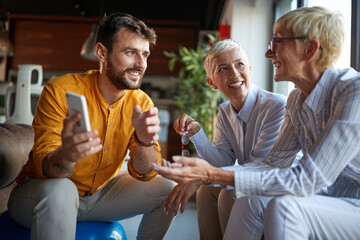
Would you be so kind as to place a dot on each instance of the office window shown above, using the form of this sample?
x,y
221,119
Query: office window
x,y
282,7
345,9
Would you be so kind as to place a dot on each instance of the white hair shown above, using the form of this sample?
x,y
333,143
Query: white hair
x,y
218,48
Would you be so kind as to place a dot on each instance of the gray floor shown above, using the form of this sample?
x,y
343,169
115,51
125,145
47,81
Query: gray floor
x,y
184,226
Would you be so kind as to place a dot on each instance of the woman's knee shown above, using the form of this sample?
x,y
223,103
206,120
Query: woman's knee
x,y
279,206
227,196
252,204
283,210
226,201
207,193
202,192
284,215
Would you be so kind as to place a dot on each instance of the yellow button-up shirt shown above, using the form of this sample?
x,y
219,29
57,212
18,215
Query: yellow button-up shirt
x,y
112,121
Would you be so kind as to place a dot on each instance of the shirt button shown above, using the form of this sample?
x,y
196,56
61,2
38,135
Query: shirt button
x,y
106,149
110,125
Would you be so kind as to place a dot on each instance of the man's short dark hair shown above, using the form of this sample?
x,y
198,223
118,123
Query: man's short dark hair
x,y
111,24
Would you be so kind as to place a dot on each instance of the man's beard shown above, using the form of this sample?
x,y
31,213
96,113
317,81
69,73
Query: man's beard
x,y
118,79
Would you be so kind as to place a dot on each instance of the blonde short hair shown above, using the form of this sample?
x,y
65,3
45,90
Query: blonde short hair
x,y
218,48
317,23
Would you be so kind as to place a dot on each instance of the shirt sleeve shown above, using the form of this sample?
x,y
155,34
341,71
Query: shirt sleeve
x,y
219,155
335,146
48,124
142,177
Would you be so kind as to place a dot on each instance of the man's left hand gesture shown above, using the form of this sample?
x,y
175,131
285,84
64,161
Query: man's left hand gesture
x,y
146,124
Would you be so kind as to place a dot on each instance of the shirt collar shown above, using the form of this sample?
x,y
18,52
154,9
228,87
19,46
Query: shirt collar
x,y
95,75
245,111
317,97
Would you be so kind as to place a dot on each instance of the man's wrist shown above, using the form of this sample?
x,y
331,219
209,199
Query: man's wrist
x,y
53,166
144,144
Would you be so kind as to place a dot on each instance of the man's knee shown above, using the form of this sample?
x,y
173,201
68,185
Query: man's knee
x,y
57,192
42,195
57,186
164,186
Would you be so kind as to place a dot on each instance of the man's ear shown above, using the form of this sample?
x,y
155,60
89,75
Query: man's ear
x,y
211,83
312,47
101,52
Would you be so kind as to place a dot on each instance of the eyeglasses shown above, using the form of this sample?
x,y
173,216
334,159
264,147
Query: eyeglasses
x,y
184,142
274,41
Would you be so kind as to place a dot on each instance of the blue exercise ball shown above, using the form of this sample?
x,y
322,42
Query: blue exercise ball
x,y
100,231
10,230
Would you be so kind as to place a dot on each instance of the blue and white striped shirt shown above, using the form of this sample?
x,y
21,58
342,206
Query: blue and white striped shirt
x,y
326,127
245,135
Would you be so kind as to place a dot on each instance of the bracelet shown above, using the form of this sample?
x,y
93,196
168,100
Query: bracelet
x,y
142,143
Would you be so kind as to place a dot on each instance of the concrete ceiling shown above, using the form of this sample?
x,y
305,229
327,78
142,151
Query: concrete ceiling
x,y
205,12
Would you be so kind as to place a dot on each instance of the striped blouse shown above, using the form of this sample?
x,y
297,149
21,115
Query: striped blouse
x,y
326,127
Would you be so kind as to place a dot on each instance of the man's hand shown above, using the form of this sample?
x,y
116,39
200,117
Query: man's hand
x,y
180,195
81,145
62,161
186,123
146,124
147,127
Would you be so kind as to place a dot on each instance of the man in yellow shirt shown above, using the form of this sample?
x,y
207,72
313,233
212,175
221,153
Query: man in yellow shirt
x,y
76,177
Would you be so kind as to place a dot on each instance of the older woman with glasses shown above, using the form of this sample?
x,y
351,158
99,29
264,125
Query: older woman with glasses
x,y
319,198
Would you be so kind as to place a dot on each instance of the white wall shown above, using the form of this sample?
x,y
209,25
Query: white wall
x,y
251,27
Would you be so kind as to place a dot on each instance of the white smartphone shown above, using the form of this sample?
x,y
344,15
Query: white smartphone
x,y
77,103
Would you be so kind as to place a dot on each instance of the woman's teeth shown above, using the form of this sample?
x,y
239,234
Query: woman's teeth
x,y
237,84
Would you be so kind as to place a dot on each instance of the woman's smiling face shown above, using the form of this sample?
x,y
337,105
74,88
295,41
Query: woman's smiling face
x,y
231,75
285,57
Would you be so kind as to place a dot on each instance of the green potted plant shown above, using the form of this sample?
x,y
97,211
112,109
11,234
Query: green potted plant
x,y
193,94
